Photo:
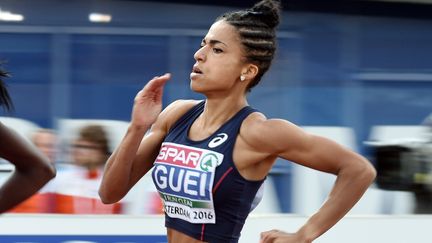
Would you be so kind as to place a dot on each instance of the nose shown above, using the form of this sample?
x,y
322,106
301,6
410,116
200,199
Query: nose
x,y
199,54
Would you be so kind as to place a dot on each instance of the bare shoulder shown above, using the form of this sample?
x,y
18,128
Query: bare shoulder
x,y
174,111
270,135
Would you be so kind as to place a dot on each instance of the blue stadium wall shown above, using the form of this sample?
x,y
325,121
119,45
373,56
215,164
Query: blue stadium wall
x,y
330,70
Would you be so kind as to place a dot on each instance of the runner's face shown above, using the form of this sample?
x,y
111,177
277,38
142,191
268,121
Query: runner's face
x,y
219,60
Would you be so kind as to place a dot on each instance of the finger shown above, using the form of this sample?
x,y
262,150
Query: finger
x,y
162,78
159,93
268,236
264,237
157,82
269,232
166,76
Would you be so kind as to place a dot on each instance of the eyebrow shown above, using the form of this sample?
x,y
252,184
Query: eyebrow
x,y
214,42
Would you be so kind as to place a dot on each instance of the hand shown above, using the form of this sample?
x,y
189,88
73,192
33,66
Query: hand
x,y
277,236
148,102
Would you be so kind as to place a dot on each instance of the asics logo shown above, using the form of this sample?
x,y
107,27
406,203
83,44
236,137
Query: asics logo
x,y
220,139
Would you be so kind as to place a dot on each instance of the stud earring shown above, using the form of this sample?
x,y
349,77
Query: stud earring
x,y
242,78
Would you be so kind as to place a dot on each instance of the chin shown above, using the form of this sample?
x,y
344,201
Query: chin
x,y
194,84
194,87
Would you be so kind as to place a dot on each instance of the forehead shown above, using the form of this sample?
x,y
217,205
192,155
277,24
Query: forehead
x,y
222,31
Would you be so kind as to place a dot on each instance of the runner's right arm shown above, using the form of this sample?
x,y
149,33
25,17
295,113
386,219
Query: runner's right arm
x,y
120,172
136,153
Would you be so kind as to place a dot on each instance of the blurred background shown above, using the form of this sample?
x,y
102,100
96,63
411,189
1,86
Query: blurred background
x,y
358,72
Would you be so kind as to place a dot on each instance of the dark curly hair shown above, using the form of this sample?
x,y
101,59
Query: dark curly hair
x,y
257,29
5,99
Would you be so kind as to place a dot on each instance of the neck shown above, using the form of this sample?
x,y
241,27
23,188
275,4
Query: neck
x,y
218,111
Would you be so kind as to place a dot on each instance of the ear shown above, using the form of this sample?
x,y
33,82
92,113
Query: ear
x,y
250,71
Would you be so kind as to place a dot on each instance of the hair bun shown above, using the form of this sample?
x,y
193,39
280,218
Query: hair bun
x,y
268,11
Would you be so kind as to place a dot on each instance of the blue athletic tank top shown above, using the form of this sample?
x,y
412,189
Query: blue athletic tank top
x,y
204,195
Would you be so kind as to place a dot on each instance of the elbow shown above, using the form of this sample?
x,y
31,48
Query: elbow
x,y
368,176
370,172
49,171
106,197
361,171
366,172
373,173
46,170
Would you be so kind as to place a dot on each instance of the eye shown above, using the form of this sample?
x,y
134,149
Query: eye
x,y
217,50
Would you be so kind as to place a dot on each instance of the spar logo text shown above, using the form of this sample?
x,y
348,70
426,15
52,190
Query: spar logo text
x,y
184,171
179,155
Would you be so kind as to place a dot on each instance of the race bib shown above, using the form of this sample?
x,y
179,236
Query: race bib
x,y
184,178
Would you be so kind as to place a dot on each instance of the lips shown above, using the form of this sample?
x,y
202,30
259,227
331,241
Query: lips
x,y
195,69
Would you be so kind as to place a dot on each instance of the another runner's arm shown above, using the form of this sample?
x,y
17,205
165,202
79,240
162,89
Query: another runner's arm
x,y
354,173
32,169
